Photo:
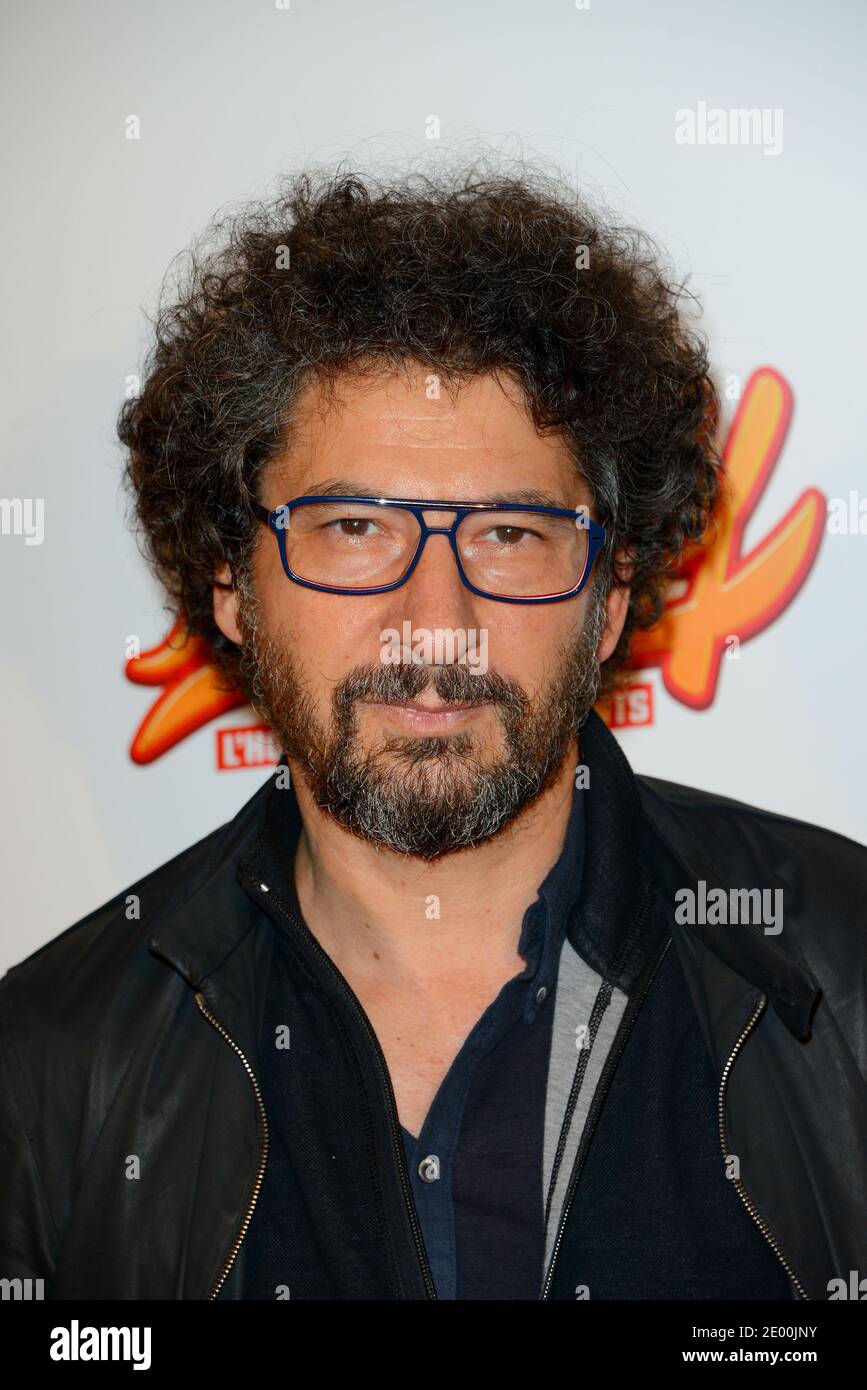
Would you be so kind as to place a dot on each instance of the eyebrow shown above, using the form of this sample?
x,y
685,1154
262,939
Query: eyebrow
x,y
531,497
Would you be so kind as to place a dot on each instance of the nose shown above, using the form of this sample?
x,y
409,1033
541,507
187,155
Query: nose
x,y
435,595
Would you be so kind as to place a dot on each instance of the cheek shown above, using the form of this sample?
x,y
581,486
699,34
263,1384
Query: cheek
x,y
530,648
330,635
327,635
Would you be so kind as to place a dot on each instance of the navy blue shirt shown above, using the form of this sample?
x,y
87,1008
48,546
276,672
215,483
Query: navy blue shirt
x,y
476,1168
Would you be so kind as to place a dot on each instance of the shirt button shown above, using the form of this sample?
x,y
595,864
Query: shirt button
x,y
429,1168
540,994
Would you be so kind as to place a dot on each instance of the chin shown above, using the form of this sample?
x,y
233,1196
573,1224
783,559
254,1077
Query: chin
x,y
454,756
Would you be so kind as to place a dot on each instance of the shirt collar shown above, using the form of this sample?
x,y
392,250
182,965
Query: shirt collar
x,y
546,920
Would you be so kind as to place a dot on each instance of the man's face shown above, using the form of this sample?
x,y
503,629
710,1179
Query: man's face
x,y
419,757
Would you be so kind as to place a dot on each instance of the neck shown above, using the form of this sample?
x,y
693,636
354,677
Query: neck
x,y
409,922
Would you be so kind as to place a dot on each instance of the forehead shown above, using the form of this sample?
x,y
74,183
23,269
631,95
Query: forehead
x,y
410,435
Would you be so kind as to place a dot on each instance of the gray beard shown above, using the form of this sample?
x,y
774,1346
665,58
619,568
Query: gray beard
x,y
416,795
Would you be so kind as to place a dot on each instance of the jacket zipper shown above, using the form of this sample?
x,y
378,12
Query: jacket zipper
x,y
741,1190
593,1113
263,1148
397,1141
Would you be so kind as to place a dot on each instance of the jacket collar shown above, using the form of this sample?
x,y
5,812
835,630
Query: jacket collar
x,y
683,860
203,929
613,928
638,848
201,936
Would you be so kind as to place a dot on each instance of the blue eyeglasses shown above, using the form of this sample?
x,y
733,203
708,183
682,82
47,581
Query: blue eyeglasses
x,y
371,545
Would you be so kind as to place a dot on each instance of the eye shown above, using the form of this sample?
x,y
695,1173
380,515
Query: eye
x,y
510,535
353,525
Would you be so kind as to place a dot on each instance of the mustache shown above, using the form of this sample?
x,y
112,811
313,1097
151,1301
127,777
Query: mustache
x,y
453,684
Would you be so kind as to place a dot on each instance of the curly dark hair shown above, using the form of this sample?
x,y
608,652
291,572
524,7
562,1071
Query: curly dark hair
x,y
462,272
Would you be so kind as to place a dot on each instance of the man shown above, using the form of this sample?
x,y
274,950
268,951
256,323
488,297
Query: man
x,y
443,1012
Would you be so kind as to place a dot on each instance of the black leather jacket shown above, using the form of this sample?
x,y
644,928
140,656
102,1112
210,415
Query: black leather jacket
x,y
134,1140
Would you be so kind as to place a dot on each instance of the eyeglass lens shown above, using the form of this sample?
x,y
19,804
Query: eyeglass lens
x,y
516,554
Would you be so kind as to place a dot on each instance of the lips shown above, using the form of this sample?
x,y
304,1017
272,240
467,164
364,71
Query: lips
x,y
412,714
429,709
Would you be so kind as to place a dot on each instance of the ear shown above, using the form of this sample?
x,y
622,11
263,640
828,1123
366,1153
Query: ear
x,y
617,605
226,606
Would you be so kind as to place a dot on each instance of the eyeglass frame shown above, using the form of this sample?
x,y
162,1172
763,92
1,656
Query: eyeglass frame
x,y
595,540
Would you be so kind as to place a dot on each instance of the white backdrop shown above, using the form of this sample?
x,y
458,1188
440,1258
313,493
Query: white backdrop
x,y
229,94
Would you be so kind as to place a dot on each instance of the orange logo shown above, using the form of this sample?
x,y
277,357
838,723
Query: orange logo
x,y
727,597
191,695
